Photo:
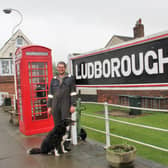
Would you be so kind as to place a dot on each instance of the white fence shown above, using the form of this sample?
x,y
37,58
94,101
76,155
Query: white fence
x,y
107,125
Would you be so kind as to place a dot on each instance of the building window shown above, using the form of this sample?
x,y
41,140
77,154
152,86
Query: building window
x,y
19,42
6,67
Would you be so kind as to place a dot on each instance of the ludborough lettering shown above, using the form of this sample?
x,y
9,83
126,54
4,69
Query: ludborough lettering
x,y
145,62
150,62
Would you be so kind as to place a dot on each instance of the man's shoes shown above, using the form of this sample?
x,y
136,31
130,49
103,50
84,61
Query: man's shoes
x,y
67,146
68,149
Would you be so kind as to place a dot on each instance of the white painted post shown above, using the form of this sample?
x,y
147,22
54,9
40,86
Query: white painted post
x,y
14,102
74,130
107,125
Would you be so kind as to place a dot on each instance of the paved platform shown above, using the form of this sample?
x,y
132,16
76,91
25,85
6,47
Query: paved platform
x,y
13,147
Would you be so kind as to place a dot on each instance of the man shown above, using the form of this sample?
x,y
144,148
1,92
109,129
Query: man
x,y
62,95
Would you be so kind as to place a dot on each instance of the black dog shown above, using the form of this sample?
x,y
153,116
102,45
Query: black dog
x,y
54,140
83,134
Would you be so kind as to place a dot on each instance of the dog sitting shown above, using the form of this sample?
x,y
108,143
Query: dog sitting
x,y
54,140
83,134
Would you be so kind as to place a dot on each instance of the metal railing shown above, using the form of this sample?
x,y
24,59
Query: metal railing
x,y
107,125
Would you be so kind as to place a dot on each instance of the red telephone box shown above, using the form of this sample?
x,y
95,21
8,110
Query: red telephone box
x,y
33,74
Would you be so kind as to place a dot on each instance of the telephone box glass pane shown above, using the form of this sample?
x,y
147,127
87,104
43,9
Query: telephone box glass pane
x,y
19,97
38,80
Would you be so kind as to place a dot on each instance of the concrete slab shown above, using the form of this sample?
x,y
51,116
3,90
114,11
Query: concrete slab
x,y
13,147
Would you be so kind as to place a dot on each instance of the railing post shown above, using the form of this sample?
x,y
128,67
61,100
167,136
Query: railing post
x,y
74,129
14,102
107,125
78,115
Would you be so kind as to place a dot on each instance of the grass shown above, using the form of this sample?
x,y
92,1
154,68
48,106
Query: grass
x,y
149,136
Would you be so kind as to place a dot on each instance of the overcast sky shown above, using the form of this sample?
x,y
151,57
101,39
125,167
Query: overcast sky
x,y
72,26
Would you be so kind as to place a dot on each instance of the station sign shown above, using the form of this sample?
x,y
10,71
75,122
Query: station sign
x,y
140,62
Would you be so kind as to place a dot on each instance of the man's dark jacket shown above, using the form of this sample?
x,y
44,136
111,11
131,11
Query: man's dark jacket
x,y
61,96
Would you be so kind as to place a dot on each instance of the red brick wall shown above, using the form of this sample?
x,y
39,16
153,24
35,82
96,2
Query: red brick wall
x,y
7,84
114,97
108,94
